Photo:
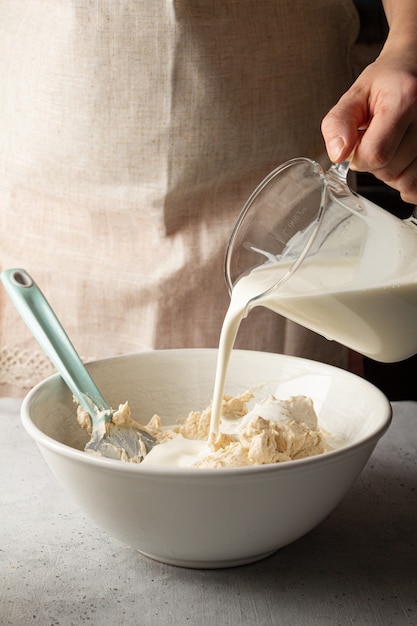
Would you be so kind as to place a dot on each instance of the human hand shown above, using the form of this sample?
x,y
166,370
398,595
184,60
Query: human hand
x,y
376,120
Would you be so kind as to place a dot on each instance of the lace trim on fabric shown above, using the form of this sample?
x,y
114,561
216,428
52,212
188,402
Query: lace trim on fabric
x,y
22,368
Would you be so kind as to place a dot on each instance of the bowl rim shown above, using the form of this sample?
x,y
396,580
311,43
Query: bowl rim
x,y
331,456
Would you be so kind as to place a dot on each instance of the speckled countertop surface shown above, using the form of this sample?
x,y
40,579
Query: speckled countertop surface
x,y
358,567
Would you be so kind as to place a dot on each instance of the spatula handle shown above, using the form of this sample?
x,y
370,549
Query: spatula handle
x,y
47,330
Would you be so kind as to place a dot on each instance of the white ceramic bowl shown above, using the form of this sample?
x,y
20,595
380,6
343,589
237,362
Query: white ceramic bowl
x,y
208,518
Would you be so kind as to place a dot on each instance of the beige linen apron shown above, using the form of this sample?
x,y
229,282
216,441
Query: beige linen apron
x,y
131,133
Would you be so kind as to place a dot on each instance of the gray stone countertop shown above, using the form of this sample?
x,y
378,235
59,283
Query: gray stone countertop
x,y
359,566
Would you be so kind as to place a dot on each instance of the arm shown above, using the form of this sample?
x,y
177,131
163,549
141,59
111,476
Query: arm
x,y
401,16
378,114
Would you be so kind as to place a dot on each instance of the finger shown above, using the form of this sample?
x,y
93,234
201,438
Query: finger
x,y
400,160
341,126
408,186
406,183
385,145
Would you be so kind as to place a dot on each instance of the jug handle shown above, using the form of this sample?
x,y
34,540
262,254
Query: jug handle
x,y
340,170
413,217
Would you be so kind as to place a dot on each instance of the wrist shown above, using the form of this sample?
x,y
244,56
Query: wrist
x,y
401,47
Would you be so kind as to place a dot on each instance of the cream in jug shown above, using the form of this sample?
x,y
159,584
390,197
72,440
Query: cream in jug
x,y
368,302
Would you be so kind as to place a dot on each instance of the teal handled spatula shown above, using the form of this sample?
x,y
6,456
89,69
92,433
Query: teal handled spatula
x,y
107,439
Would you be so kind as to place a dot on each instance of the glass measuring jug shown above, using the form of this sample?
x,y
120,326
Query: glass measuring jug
x,y
310,249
